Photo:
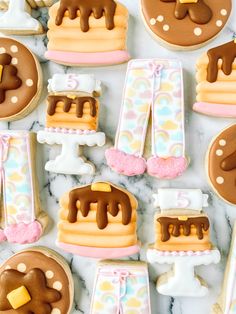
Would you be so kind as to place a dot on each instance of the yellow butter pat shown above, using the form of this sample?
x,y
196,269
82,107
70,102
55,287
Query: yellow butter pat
x,y
183,218
18,297
71,96
100,187
1,72
188,1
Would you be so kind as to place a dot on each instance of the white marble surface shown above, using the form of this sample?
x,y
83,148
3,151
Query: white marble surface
x,y
199,130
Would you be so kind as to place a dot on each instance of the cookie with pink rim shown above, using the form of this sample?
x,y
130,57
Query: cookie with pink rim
x,y
153,87
23,221
182,239
99,221
216,77
82,32
36,280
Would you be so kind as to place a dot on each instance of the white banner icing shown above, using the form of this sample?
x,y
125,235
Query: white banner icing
x,y
191,199
74,83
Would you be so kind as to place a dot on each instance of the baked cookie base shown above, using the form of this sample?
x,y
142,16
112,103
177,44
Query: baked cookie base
x,y
89,59
102,253
216,110
182,281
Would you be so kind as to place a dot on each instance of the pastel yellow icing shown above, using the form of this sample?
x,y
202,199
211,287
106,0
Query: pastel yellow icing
x,y
18,297
101,187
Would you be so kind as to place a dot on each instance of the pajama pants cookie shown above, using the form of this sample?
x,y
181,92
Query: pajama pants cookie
x,y
152,87
21,217
121,288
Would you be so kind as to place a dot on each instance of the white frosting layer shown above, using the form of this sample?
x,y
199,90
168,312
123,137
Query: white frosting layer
x,y
191,199
74,83
16,18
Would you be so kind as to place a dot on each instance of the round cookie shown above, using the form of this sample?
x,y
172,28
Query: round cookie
x,y
36,281
185,24
221,164
20,80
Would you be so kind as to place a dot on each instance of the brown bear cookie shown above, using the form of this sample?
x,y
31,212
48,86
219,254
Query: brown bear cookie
x,y
221,164
185,24
20,80
36,281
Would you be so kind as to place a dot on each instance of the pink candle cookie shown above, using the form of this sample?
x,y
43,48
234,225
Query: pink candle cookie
x,y
87,32
38,281
185,24
216,78
98,220
121,287
22,219
153,87
20,85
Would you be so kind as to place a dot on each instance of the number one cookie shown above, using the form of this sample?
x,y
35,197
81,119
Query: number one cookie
x,y
16,20
152,87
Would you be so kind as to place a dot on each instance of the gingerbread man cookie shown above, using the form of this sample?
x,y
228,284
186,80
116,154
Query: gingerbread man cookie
x,y
36,281
221,164
216,80
87,32
185,24
20,85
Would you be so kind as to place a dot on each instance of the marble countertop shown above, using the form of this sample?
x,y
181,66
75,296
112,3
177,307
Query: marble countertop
x,y
199,131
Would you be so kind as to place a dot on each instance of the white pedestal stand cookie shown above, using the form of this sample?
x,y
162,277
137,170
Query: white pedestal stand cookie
x,y
183,281
68,162
16,19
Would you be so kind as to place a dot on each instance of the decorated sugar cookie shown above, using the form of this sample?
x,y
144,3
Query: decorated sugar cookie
x,y
21,219
226,303
153,87
185,24
17,18
221,166
72,121
98,220
182,240
121,278
20,85
216,95
38,281
87,32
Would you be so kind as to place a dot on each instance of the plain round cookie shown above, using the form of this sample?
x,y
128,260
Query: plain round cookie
x,y
21,80
55,268
221,164
159,18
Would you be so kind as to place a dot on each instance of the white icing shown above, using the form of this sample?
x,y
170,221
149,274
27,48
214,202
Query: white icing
x,y
68,162
183,282
16,18
191,199
74,83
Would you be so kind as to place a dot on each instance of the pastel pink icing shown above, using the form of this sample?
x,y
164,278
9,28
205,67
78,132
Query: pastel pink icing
x,y
169,168
96,58
123,163
101,253
23,233
2,236
217,110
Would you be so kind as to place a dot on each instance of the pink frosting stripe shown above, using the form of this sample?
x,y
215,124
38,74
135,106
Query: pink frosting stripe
x,y
101,253
96,58
217,110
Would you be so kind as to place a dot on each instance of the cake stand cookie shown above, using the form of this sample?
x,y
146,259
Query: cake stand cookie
x,y
20,80
185,24
221,164
38,281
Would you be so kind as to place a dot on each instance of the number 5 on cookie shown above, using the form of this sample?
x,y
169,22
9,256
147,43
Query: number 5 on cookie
x,y
153,87
22,219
